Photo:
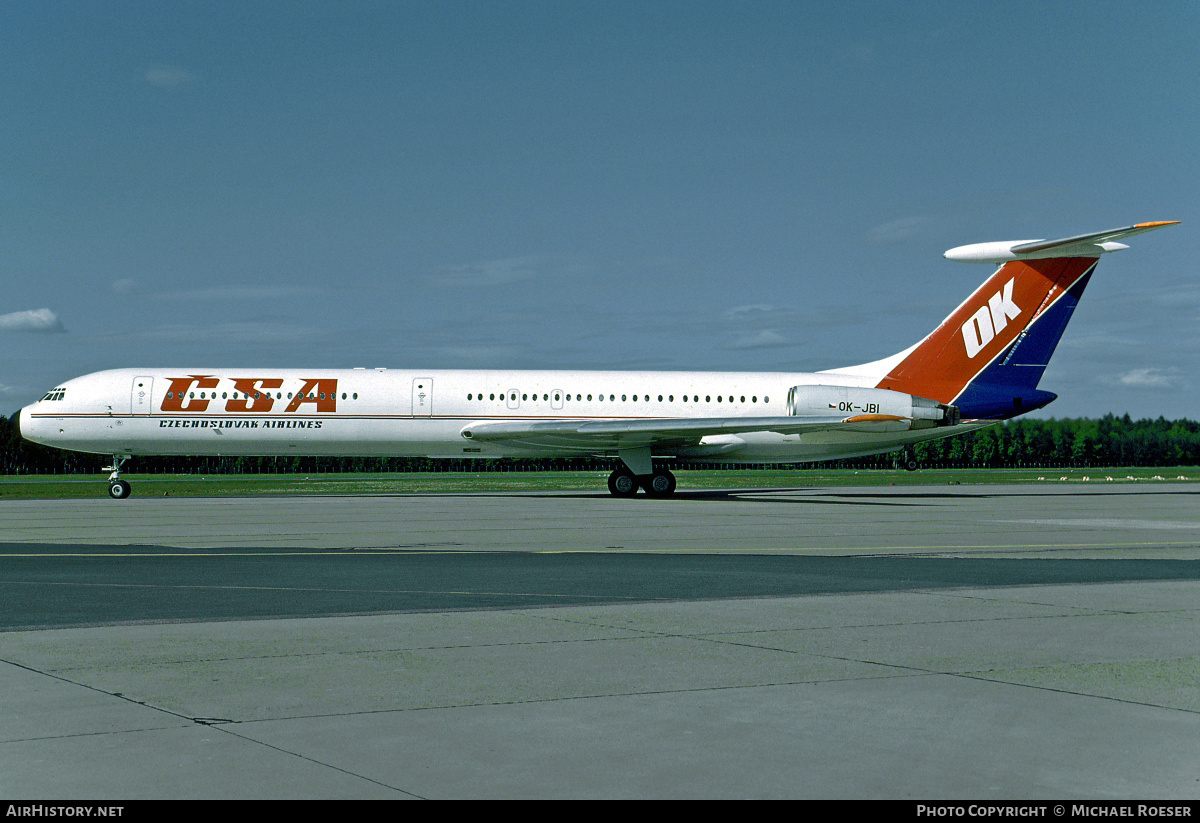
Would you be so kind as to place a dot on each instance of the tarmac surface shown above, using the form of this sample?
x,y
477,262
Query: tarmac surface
x,y
972,642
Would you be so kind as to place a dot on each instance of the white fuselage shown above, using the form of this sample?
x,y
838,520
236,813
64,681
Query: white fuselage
x,y
395,412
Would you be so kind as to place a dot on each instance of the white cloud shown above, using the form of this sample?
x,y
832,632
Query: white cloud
x,y
250,332
897,230
741,314
480,355
767,338
1149,378
489,272
757,326
168,77
238,293
862,52
36,320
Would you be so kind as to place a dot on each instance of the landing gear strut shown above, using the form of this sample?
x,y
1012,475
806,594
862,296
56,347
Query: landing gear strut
x,y
118,489
909,461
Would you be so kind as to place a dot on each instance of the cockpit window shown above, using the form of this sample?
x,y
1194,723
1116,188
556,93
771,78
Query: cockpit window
x,y
55,394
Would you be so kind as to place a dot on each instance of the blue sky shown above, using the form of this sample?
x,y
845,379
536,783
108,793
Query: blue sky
x,y
651,185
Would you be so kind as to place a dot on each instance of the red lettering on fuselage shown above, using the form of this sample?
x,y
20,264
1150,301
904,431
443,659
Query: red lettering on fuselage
x,y
250,394
180,386
253,398
322,393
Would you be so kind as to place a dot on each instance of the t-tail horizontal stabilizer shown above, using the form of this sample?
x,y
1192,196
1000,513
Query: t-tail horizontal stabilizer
x,y
987,357
1082,245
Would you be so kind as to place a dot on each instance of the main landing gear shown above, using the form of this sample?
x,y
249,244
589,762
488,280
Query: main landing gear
x,y
118,489
624,483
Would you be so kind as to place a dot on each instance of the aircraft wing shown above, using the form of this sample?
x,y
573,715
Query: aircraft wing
x,y
610,435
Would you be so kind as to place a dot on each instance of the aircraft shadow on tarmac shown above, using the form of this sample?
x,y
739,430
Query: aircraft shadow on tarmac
x,y
56,586
766,495
817,495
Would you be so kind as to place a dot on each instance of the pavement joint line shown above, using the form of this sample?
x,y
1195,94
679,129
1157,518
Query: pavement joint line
x,y
1105,697
596,696
116,695
224,728
390,650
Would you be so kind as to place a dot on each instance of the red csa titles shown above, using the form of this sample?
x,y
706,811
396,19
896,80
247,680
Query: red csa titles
x,y
250,394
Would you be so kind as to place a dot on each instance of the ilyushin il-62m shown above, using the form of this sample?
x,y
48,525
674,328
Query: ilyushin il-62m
x,y
982,364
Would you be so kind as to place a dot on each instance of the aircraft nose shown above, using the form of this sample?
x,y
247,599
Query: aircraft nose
x,y
15,421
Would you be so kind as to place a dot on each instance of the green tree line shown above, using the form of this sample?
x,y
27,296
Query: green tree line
x,y
1068,443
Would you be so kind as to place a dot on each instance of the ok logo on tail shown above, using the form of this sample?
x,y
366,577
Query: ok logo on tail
x,y
990,320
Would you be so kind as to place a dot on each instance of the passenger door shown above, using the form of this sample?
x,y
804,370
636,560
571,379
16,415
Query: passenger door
x,y
141,395
422,396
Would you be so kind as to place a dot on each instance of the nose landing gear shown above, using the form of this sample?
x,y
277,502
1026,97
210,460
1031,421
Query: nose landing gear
x,y
118,489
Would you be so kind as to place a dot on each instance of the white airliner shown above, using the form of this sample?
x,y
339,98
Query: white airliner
x,y
981,365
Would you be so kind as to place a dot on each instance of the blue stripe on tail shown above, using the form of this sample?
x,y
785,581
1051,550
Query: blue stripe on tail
x,y
1008,385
